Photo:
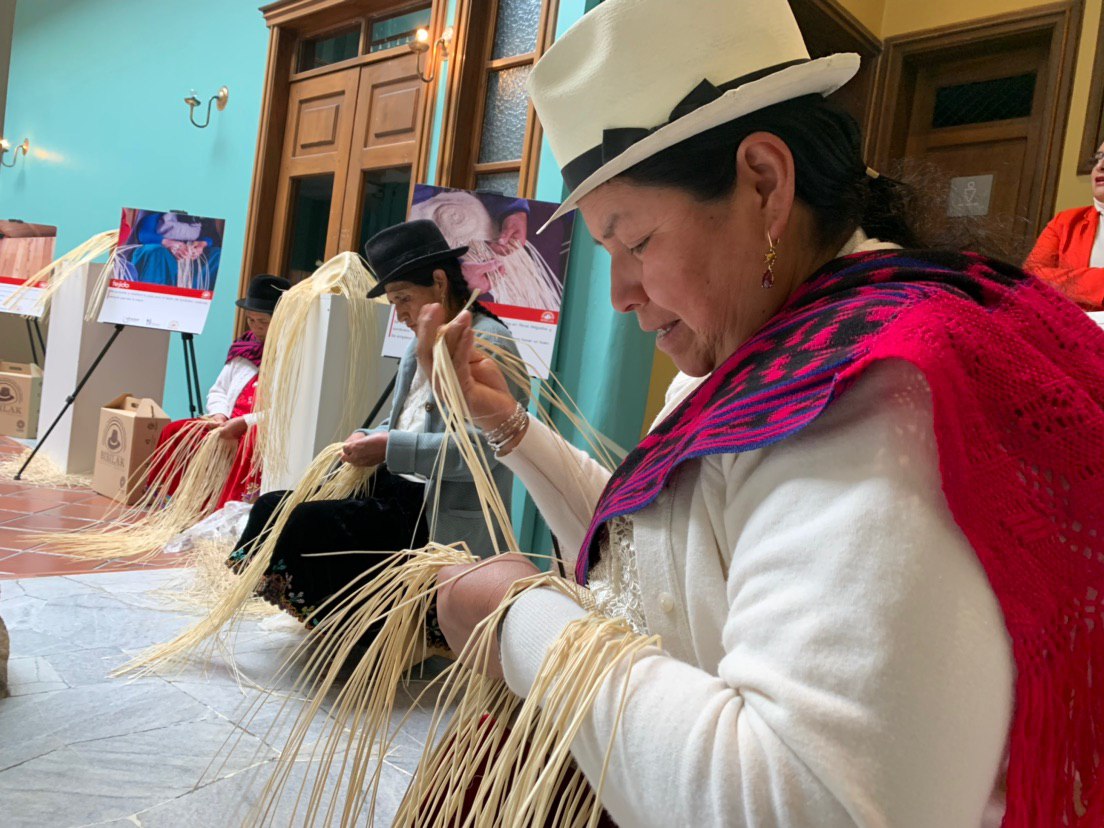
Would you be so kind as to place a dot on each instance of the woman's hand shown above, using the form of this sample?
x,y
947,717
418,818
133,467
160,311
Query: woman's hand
x,y
470,592
214,421
233,429
365,449
178,249
481,380
512,234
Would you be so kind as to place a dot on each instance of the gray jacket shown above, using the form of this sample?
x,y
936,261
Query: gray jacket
x,y
459,517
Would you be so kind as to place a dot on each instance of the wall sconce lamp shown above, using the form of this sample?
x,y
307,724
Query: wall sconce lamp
x,y
222,96
5,146
420,45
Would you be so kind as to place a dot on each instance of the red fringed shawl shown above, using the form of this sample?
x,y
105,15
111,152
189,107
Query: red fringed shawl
x,y
1017,381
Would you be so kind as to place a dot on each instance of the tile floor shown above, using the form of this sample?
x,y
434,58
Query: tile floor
x,y
27,510
81,749
78,748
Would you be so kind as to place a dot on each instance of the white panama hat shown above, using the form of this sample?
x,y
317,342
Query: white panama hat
x,y
634,77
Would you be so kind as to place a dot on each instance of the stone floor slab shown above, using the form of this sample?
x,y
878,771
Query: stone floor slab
x,y
28,676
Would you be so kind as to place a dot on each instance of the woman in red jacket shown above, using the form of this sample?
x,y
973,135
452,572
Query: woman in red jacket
x,y
1070,252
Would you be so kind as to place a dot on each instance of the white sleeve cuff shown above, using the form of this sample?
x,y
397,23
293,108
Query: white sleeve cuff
x,y
531,627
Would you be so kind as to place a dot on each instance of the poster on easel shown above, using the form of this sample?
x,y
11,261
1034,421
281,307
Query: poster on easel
x,y
519,275
165,270
24,250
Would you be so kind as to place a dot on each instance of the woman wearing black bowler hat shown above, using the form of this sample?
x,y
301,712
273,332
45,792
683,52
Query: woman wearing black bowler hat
x,y
415,267
230,400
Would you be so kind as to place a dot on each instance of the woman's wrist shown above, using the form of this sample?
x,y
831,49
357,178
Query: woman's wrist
x,y
512,442
503,437
492,422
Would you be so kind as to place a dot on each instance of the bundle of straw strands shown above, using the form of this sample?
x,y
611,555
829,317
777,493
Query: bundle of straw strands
x,y
205,580
58,271
280,380
42,471
326,479
513,753
142,530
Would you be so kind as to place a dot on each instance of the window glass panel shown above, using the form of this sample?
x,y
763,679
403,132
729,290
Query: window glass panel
x,y
389,32
516,28
329,48
383,201
984,101
311,197
504,183
507,107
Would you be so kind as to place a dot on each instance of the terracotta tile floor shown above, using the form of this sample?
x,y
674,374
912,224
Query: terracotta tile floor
x,y
26,511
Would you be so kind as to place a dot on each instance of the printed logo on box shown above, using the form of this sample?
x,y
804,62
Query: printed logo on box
x,y
114,442
10,397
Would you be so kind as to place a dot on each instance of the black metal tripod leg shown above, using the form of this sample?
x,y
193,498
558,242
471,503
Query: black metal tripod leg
x,y
71,399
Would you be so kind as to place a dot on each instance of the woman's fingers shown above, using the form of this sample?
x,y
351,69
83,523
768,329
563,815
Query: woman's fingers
x,y
430,320
460,341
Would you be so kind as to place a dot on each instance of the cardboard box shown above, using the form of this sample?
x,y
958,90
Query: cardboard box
x,y
20,395
129,428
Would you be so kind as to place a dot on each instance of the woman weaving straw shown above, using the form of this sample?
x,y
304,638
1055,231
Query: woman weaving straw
x,y
415,267
871,539
229,402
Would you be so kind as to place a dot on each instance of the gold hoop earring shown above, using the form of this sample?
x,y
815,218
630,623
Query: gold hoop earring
x,y
769,258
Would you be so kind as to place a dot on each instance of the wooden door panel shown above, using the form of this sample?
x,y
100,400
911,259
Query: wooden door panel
x,y
320,121
386,132
1003,147
1001,159
317,126
317,142
389,109
394,115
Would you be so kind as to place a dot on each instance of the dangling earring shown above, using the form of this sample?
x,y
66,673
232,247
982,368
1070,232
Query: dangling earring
x,y
769,259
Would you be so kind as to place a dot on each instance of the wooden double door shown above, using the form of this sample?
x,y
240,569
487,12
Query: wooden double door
x,y
351,141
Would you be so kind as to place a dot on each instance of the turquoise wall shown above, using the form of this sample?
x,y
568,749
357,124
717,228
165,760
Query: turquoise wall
x,y
98,87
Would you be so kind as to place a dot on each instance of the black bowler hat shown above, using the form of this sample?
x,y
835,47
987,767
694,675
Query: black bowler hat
x,y
263,293
406,248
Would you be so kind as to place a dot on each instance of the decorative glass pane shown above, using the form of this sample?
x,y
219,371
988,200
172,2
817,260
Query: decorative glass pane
x,y
516,28
384,197
507,108
311,197
329,48
980,102
504,183
389,32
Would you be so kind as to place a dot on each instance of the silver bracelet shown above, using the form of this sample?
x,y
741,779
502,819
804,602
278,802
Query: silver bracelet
x,y
500,437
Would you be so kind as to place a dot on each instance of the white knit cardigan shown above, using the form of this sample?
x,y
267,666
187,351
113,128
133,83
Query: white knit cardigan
x,y
833,654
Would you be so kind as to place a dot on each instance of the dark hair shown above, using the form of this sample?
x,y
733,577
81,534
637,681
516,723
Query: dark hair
x,y
831,175
457,284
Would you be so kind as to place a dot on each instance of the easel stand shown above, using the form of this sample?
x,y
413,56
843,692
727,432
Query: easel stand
x,y
71,398
191,376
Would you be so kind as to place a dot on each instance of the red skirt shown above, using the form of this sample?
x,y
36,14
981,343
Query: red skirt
x,y
243,482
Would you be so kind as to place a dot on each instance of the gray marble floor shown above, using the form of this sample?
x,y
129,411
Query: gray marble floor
x,y
78,748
